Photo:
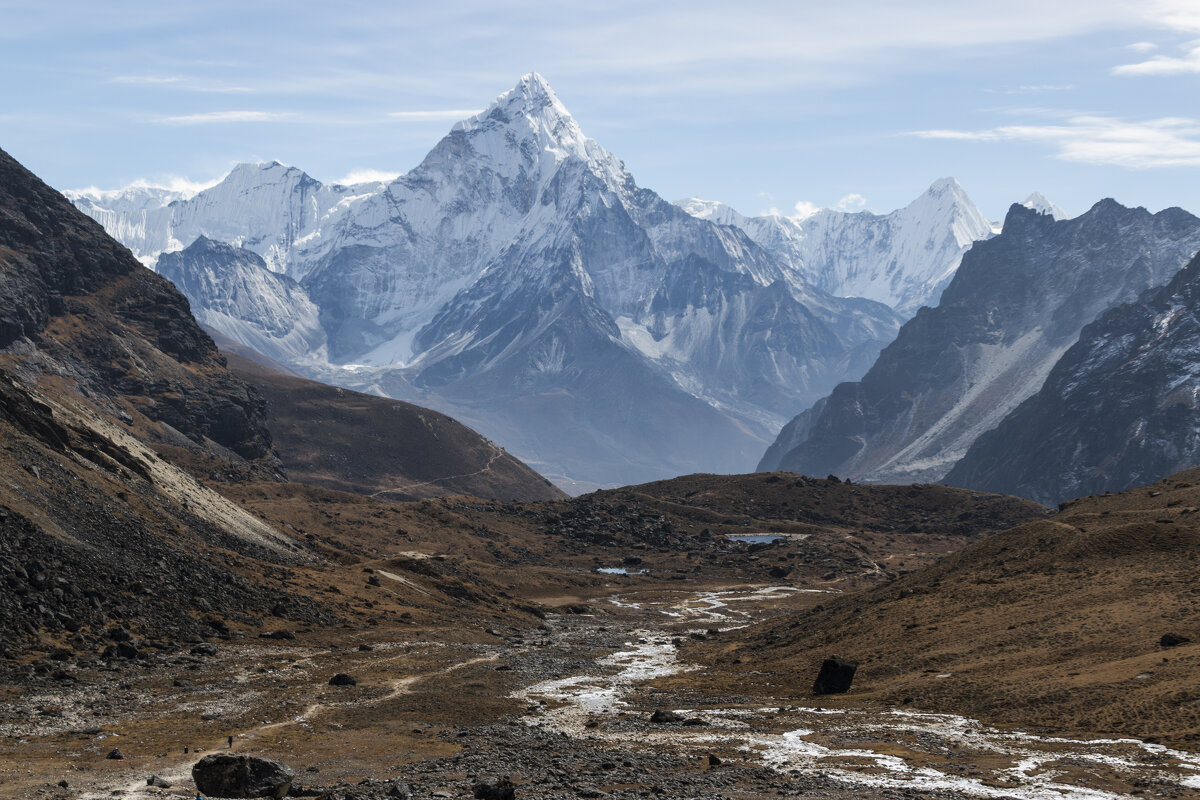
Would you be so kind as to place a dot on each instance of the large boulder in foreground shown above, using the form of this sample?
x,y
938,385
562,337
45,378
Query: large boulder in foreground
x,y
835,676
229,775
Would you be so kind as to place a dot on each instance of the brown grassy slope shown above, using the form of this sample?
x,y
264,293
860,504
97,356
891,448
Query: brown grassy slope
x,y
339,439
1054,623
847,530
675,529
77,307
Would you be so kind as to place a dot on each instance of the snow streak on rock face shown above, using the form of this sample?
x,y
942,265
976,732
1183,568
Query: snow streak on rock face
x,y
1014,307
1120,409
903,259
520,280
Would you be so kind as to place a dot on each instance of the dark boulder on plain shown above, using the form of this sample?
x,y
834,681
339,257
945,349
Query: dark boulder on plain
x,y
494,790
662,716
835,676
228,775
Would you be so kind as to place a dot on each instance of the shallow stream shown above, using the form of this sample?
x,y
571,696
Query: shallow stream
x,y
872,749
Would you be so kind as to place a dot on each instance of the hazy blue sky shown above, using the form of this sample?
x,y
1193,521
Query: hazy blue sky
x,y
759,104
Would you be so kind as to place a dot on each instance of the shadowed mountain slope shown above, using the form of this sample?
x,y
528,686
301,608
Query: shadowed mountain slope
x,y
1119,408
1015,305
340,439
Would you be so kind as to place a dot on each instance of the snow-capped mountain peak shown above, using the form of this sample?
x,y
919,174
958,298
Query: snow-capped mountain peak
x,y
532,97
713,211
1038,202
519,276
530,122
945,199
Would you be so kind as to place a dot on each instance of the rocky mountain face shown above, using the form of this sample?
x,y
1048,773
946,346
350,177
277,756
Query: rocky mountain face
x,y
1013,308
246,301
76,307
1118,410
903,259
113,405
520,280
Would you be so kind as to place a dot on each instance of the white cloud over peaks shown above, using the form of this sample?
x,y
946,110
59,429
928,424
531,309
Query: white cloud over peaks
x,y
210,117
805,209
171,183
852,202
1163,142
1165,65
367,176
1142,47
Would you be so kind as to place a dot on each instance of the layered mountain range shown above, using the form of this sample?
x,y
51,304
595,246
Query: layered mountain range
x,y
520,280
126,437
1011,311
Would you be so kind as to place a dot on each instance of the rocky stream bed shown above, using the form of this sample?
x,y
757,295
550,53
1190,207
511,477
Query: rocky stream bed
x,y
576,700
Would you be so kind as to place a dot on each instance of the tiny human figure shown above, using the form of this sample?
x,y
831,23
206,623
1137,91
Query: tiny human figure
x,y
231,741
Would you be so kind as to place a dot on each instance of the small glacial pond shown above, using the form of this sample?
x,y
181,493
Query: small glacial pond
x,y
620,571
756,538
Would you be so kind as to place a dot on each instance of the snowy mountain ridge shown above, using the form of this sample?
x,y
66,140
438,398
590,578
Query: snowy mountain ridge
x,y
902,259
519,279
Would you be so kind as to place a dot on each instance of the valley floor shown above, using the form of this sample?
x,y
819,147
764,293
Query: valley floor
x,y
562,710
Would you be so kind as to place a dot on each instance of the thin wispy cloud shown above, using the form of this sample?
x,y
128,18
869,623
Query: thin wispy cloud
x,y
1109,141
1181,15
1142,47
219,117
177,82
1034,89
146,80
1187,64
447,115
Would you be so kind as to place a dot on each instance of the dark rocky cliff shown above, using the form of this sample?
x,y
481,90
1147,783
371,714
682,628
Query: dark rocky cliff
x,y
1015,305
1118,410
